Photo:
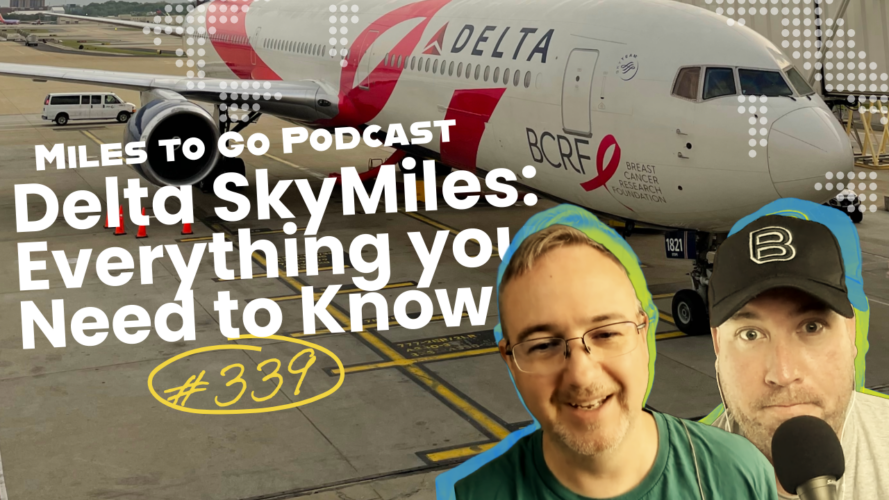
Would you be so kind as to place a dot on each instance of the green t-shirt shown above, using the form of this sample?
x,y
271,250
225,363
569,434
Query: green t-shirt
x,y
731,468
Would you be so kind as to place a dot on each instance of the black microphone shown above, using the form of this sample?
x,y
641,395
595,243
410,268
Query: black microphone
x,y
808,458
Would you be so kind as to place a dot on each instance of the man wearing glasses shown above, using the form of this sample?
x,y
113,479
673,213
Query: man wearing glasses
x,y
789,321
578,342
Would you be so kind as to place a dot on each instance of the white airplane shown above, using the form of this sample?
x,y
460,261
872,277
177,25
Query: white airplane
x,y
647,111
11,22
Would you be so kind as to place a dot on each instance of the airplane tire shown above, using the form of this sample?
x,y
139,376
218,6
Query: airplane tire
x,y
690,313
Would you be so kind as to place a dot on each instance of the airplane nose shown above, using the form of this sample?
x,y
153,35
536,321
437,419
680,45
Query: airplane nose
x,y
803,146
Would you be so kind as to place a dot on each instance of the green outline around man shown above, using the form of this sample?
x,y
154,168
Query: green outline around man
x,y
789,323
578,337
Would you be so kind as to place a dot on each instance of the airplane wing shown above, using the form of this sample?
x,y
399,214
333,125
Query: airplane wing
x,y
157,28
306,100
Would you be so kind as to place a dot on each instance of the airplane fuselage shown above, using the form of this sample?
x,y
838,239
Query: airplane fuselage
x,y
582,90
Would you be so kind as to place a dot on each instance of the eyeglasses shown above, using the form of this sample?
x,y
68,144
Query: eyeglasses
x,y
550,355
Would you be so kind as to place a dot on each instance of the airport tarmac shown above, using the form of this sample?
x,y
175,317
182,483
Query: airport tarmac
x,y
81,423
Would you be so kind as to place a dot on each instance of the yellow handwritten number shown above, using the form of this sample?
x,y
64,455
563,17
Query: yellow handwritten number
x,y
270,375
232,381
302,370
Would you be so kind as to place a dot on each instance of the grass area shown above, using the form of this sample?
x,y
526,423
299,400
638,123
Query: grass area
x,y
95,46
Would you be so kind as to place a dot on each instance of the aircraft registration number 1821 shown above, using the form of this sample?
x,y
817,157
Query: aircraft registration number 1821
x,y
680,245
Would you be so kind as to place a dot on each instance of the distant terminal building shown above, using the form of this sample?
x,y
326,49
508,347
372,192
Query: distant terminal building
x,y
28,4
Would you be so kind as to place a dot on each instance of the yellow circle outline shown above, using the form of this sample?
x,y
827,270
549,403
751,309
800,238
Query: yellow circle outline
x,y
246,348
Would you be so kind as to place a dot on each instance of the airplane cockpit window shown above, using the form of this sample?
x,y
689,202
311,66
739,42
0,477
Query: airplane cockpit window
x,y
719,82
767,83
799,83
686,85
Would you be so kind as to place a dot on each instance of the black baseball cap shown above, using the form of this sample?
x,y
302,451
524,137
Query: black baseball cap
x,y
777,251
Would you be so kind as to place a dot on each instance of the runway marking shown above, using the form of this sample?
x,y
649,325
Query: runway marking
x,y
91,136
3,494
423,359
265,275
669,335
298,167
434,223
455,401
345,289
662,295
259,232
458,453
877,301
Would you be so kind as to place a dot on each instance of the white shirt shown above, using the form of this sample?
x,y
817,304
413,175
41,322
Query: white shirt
x,y
865,447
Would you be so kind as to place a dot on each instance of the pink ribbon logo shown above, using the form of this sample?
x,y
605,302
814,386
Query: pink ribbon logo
x,y
606,173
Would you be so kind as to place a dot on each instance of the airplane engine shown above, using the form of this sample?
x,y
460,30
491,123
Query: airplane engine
x,y
164,119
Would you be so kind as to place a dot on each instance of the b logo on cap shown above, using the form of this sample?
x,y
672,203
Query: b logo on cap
x,y
771,244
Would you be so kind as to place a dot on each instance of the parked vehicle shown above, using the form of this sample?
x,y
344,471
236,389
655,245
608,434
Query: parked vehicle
x,y
62,108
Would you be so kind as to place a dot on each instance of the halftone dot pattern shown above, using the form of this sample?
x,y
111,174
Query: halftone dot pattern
x,y
861,184
339,21
811,40
758,131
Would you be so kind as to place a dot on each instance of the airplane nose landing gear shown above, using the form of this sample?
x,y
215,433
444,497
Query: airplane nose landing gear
x,y
690,310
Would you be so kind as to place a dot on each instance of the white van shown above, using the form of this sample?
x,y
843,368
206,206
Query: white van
x,y
62,108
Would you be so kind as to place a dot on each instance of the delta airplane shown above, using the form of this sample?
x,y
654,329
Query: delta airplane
x,y
646,111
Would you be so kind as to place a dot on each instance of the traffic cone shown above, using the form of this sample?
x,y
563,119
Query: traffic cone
x,y
142,233
120,230
186,228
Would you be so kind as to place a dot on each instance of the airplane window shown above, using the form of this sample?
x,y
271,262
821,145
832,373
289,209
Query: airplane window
x,y
443,64
496,74
515,78
468,70
799,83
427,65
435,66
719,82
767,83
386,60
506,76
398,63
487,72
527,79
459,70
413,60
451,69
420,65
687,83
478,69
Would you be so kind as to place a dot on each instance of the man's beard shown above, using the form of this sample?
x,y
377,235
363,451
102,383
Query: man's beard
x,y
760,433
589,441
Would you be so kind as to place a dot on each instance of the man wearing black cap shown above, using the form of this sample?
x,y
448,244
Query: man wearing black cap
x,y
789,324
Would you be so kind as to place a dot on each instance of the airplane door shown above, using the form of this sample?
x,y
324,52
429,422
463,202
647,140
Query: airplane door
x,y
577,89
255,42
364,66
